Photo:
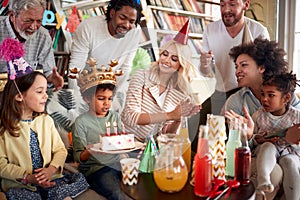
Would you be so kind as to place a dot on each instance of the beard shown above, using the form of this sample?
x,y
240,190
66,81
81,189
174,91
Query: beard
x,y
121,32
229,22
26,36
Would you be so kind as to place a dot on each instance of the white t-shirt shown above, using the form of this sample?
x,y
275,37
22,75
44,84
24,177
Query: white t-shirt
x,y
93,40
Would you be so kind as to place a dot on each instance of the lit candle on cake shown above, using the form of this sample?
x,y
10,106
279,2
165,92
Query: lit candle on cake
x,y
115,128
123,129
108,128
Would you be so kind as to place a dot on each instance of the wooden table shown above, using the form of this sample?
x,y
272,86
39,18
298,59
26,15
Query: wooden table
x,y
147,190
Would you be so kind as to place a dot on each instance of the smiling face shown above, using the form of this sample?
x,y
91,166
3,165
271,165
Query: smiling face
x,y
169,60
27,22
122,21
273,100
232,11
100,103
248,73
35,97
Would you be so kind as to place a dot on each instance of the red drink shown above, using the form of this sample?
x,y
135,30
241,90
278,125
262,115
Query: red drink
x,y
202,169
242,165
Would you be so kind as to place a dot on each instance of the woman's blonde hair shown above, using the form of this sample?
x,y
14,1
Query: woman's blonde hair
x,y
181,80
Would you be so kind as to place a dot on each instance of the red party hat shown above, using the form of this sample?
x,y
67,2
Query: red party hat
x,y
182,35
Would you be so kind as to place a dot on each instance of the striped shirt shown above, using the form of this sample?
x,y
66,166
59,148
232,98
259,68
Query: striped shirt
x,y
38,49
143,97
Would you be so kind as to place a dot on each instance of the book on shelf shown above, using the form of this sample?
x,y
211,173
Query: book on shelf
x,y
62,61
84,13
195,6
166,3
158,3
186,5
151,2
169,21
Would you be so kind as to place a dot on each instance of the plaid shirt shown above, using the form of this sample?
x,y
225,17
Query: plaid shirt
x,y
38,49
266,122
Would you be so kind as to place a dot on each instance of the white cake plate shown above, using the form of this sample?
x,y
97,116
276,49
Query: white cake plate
x,y
96,148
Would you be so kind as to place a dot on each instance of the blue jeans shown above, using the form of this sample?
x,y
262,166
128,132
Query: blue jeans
x,y
106,182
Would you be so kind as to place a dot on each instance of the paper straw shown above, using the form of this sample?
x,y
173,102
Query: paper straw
x,y
141,151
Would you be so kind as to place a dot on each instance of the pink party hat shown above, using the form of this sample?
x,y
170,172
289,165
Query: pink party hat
x,y
12,51
182,35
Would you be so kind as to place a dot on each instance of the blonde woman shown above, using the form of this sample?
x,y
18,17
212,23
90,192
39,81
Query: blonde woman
x,y
162,93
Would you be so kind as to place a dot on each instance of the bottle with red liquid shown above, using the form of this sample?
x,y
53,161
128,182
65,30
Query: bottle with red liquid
x,y
242,159
203,165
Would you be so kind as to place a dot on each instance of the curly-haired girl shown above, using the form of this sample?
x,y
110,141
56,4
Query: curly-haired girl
x,y
274,115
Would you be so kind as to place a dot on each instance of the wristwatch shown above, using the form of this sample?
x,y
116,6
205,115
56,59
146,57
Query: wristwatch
x,y
23,180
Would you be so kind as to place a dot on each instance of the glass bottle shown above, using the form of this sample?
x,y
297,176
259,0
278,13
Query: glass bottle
x,y
203,165
242,159
233,142
170,171
186,146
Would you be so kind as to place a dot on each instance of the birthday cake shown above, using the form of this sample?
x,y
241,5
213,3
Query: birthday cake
x,y
115,142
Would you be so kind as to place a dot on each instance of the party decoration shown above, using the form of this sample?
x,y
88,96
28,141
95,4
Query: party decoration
x,y
216,140
149,155
12,51
73,21
93,76
49,17
182,35
5,3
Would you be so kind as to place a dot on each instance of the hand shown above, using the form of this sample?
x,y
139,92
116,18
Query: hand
x,y
247,119
92,151
171,126
33,180
189,109
293,134
205,60
43,175
185,109
260,138
56,79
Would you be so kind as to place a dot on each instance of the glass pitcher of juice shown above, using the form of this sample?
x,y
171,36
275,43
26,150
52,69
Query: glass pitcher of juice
x,y
170,171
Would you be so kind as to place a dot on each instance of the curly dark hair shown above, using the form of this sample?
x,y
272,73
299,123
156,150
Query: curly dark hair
x,y
118,4
89,93
265,53
284,82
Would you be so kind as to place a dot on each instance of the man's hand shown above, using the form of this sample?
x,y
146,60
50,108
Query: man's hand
x,y
205,61
56,79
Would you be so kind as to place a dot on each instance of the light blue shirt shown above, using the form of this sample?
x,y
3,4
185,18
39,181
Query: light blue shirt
x,y
245,98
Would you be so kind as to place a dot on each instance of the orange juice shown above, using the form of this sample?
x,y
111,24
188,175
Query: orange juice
x,y
171,179
186,147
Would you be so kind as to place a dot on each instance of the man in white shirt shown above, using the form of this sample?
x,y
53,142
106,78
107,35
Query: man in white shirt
x,y
115,37
218,38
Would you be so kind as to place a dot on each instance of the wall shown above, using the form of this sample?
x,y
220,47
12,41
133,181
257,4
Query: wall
x,y
267,14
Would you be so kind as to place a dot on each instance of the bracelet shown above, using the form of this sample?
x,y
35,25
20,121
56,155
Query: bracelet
x,y
23,180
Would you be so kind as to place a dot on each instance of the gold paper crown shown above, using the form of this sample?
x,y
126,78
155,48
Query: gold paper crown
x,y
90,77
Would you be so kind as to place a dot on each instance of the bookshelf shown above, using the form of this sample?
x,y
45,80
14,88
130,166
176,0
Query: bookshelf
x,y
85,8
166,17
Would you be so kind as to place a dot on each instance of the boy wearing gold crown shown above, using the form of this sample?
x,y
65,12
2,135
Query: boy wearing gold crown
x,y
102,171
